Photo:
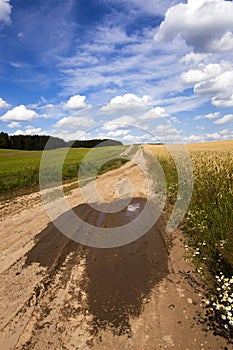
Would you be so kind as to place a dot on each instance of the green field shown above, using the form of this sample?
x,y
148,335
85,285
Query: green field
x,y
19,170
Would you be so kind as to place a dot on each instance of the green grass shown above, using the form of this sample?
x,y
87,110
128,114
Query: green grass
x,y
19,170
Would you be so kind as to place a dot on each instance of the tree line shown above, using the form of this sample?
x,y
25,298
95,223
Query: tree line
x,y
38,142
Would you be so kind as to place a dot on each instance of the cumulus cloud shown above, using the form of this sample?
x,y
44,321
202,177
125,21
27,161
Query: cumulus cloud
x,y
164,130
203,72
225,119
117,133
206,25
127,102
119,123
29,130
68,135
3,104
214,80
212,115
19,113
76,102
193,57
5,11
14,125
71,123
145,138
155,113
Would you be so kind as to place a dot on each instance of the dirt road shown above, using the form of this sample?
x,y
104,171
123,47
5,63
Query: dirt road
x,y
58,294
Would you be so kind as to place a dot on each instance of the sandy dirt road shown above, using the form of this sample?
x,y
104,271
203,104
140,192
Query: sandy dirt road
x,y
58,294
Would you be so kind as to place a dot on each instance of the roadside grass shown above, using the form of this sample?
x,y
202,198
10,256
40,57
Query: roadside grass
x,y
208,224
19,170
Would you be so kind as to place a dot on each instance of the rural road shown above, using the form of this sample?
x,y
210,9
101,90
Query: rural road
x,y
58,294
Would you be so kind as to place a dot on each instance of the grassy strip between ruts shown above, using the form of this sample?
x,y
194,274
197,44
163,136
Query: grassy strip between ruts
x,y
19,170
208,224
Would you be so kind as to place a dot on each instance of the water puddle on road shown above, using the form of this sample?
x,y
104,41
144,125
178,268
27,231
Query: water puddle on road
x,y
132,210
100,219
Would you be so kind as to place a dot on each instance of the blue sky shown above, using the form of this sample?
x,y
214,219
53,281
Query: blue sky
x,y
134,70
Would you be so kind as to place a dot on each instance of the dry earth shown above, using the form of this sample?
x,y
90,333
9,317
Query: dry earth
x,y
58,294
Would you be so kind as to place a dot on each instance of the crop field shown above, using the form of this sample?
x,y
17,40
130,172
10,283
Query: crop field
x,y
19,170
208,224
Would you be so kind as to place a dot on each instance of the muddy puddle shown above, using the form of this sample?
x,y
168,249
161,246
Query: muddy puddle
x,y
118,281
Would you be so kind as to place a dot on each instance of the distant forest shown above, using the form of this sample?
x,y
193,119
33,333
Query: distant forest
x,y
38,142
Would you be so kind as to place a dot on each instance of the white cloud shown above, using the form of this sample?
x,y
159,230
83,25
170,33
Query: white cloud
x,y
119,123
206,25
212,115
163,130
223,100
219,88
213,80
225,119
5,11
76,102
127,102
19,113
175,120
29,130
14,125
213,136
145,138
117,133
68,136
194,138
203,72
71,123
3,104
200,127
155,113
18,132
193,57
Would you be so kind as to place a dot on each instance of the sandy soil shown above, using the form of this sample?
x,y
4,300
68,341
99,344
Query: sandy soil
x,y
58,294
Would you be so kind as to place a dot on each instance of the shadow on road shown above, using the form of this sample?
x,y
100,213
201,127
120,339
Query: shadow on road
x,y
117,281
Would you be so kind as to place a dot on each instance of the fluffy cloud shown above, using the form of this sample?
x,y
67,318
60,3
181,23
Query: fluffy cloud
x,y
29,130
155,113
117,133
202,73
119,123
3,104
193,57
220,88
214,80
225,119
207,116
127,102
206,25
76,102
14,125
163,130
19,113
73,122
5,10
212,115
145,138
223,100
